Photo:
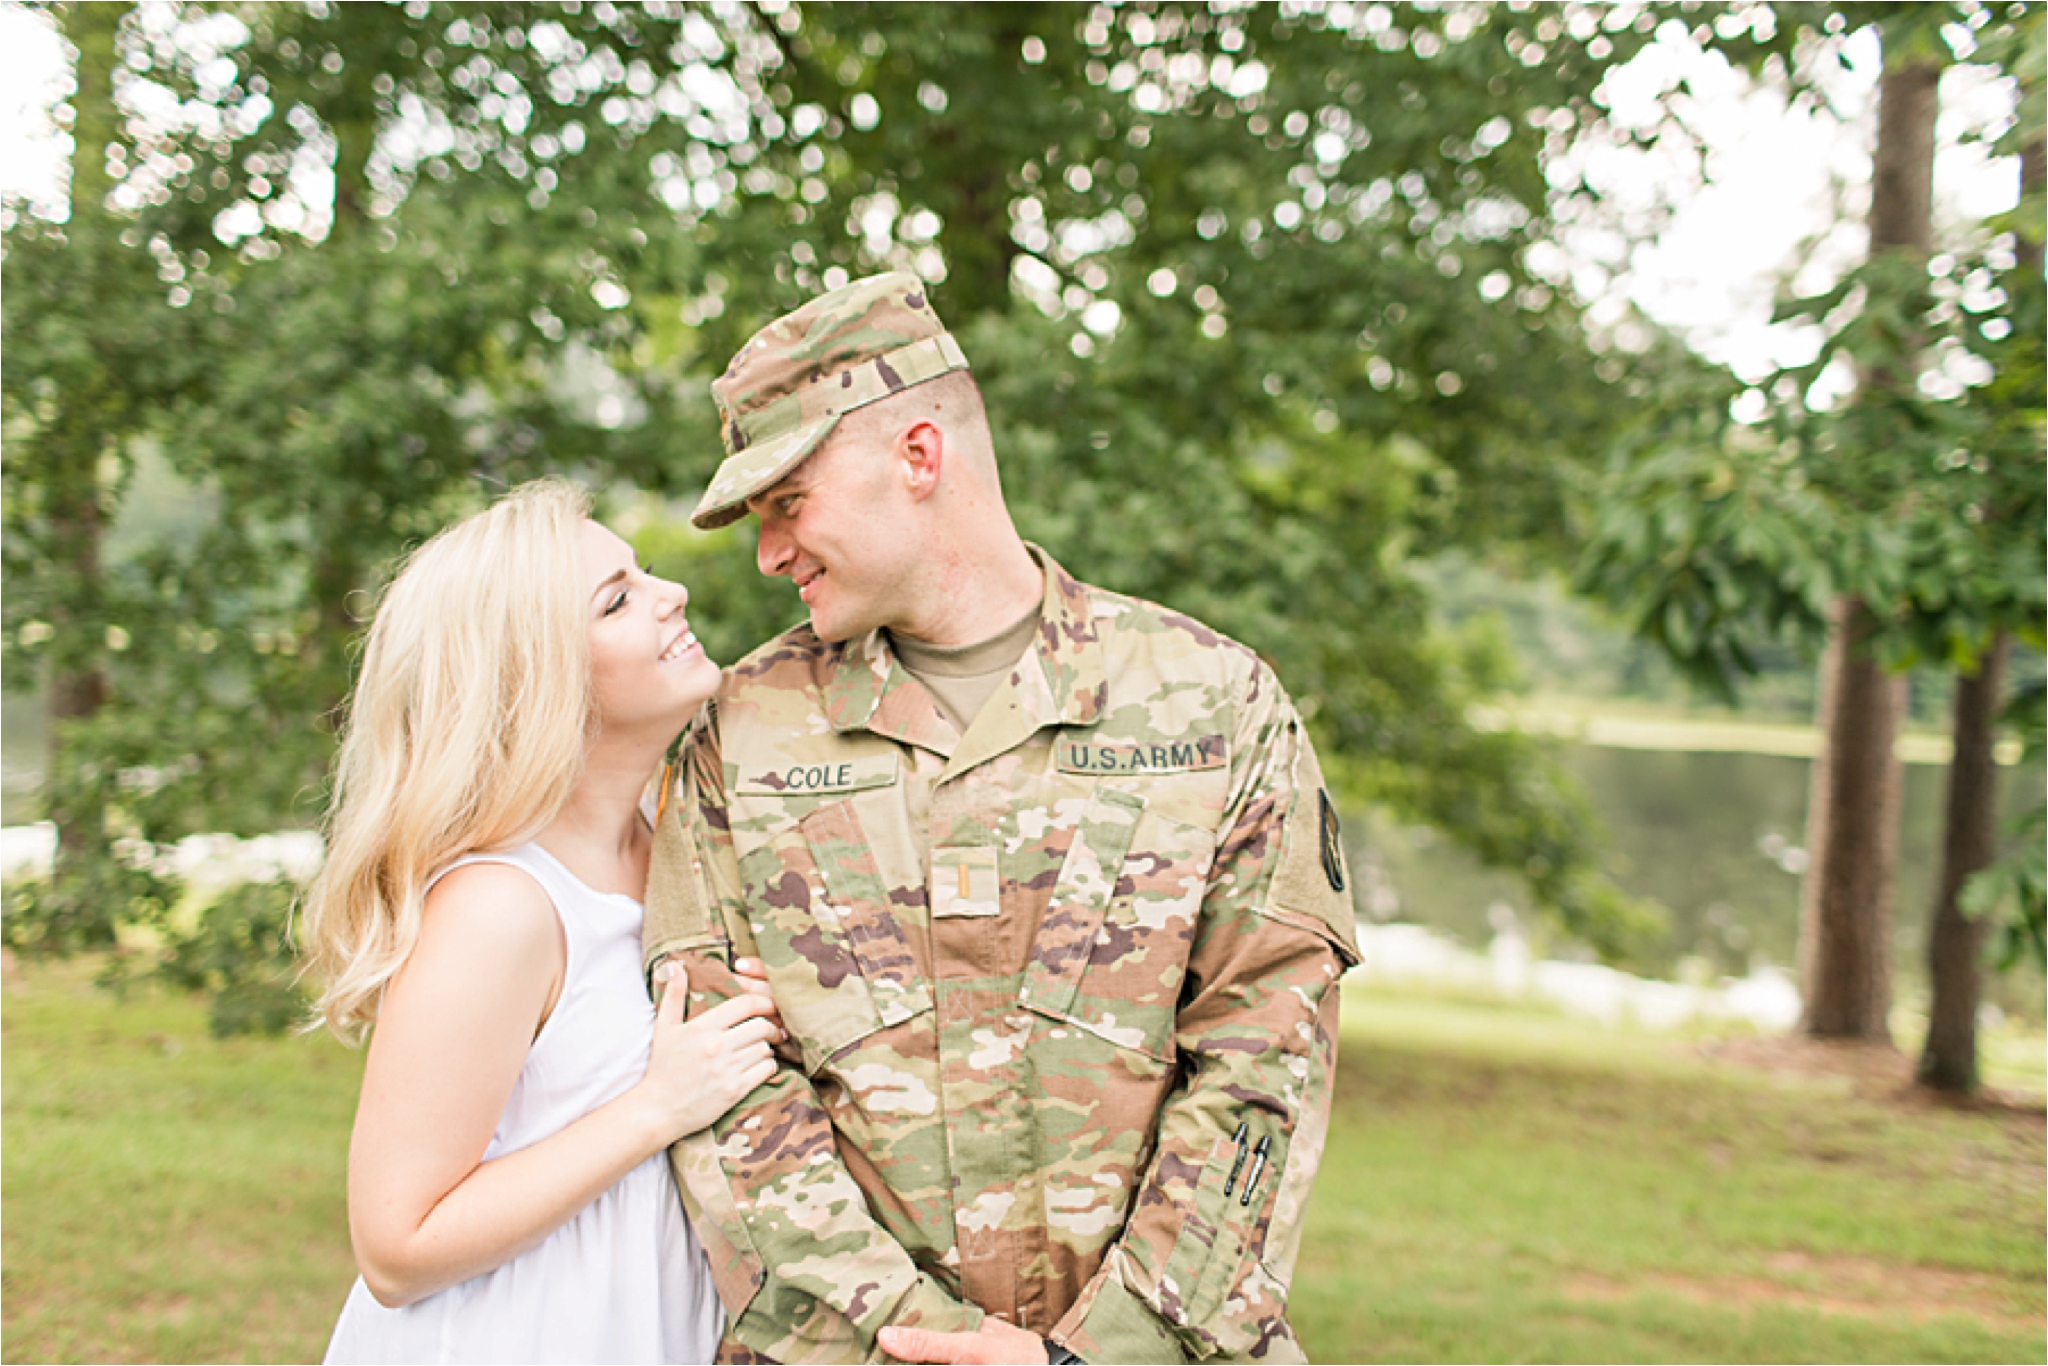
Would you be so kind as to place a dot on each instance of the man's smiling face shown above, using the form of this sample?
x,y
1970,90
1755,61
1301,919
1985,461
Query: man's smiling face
x,y
838,526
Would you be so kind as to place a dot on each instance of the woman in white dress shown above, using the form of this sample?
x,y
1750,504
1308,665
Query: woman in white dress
x,y
509,1195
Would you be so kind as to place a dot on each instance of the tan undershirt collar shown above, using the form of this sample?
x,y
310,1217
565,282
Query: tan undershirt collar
x,y
961,678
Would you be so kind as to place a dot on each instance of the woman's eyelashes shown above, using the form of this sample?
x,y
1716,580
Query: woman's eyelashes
x,y
619,599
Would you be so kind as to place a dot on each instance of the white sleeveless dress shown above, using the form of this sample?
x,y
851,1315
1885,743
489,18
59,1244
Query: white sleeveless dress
x,y
624,1280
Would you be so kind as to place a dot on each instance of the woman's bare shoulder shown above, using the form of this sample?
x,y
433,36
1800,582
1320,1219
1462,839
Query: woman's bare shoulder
x,y
490,908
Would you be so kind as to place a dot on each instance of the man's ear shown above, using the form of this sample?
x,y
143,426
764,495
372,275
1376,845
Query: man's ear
x,y
921,447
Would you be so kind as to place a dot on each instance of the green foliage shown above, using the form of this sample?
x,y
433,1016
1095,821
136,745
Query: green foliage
x,y
57,917
1730,534
95,357
1714,536
1256,294
1923,494
2013,893
241,959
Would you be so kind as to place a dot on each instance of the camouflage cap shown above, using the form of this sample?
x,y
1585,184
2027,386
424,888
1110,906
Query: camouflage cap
x,y
788,387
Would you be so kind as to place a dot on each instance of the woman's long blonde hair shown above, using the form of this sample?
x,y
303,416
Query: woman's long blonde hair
x,y
466,732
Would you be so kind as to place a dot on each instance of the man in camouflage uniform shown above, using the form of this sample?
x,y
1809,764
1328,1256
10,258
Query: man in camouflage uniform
x,y
1056,950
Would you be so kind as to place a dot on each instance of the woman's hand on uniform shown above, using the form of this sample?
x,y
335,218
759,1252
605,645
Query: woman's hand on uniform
x,y
752,975
699,1068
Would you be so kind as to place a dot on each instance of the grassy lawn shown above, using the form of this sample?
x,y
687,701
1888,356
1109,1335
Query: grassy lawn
x,y
1500,1185
1506,1186
169,1197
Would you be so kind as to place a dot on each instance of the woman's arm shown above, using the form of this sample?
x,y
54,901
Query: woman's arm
x,y
425,1211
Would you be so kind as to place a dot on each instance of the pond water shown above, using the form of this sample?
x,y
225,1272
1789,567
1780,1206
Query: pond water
x,y
1715,837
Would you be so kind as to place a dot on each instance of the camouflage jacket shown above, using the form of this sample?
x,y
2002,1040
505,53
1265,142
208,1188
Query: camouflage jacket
x,y
1035,976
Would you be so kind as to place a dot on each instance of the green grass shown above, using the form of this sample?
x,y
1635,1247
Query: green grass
x,y
1500,1185
1510,1186
169,1197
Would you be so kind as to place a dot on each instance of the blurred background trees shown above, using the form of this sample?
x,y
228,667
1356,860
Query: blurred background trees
x,y
1902,525
1267,302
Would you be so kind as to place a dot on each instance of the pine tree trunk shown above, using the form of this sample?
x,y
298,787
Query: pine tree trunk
x,y
1955,943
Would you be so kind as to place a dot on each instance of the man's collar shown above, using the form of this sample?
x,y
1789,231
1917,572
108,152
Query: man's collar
x,y
858,681
1067,648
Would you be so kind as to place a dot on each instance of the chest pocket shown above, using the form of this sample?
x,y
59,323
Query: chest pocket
x,y
836,953
1114,942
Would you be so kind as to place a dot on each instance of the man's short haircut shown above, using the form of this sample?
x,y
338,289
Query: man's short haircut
x,y
953,399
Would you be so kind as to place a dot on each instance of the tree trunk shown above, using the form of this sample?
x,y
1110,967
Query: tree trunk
x,y
78,689
1817,813
78,682
972,193
337,562
1902,168
977,243
1852,839
1852,816
1955,942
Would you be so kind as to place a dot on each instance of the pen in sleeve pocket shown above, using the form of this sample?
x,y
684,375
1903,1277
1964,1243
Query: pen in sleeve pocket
x,y
1258,1166
1238,1164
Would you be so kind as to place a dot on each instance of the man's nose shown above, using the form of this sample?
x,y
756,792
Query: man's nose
x,y
773,551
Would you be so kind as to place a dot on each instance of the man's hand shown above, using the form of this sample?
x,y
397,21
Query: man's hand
x,y
995,1343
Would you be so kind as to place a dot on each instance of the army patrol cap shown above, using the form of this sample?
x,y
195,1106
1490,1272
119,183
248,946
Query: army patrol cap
x,y
788,387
